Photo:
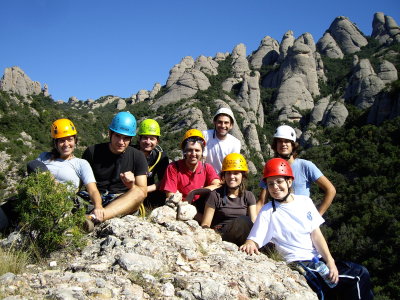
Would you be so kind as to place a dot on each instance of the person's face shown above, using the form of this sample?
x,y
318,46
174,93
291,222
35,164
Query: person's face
x,y
278,187
119,142
222,125
66,146
147,142
284,146
233,178
193,153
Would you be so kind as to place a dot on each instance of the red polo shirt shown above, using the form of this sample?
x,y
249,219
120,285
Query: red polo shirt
x,y
178,177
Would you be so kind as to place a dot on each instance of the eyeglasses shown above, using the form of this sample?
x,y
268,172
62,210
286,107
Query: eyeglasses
x,y
278,182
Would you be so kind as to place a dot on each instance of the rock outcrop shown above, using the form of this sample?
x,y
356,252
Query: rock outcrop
x,y
16,81
385,29
364,84
266,54
132,258
341,34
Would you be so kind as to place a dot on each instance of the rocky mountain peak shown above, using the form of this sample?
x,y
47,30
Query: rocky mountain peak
x,y
16,81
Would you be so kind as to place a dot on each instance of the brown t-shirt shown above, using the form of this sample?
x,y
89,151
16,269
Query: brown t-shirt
x,y
228,209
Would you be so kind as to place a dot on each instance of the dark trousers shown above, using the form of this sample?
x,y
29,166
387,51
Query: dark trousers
x,y
354,282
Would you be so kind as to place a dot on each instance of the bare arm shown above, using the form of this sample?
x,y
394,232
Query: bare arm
x,y
329,191
252,212
322,247
95,197
208,216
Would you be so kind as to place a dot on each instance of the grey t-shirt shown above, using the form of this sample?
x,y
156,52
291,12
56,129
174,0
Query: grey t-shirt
x,y
230,208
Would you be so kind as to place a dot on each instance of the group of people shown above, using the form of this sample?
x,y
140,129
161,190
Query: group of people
x,y
212,176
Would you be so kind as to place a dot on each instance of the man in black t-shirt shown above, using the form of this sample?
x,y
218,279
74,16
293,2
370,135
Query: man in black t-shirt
x,y
149,137
120,170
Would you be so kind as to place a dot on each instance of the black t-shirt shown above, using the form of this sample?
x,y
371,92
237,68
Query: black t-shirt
x,y
233,208
107,166
159,167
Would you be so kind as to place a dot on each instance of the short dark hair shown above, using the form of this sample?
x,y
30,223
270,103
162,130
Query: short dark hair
x,y
295,147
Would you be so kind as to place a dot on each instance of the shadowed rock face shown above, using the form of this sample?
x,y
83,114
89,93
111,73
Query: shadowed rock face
x,y
385,29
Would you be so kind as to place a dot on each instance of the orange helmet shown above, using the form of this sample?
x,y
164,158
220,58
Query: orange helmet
x,y
62,128
234,162
192,133
277,167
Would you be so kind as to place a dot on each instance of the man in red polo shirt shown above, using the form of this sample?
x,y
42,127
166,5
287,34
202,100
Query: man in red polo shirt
x,y
189,175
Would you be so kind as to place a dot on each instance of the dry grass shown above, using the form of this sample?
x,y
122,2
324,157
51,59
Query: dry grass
x,y
13,260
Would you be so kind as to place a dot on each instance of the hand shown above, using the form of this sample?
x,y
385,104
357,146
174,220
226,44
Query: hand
x,y
333,271
128,179
99,213
249,247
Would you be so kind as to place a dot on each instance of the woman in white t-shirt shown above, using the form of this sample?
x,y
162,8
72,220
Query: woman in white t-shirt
x,y
292,223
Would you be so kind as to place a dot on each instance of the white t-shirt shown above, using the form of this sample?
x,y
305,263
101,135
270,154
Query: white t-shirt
x,y
289,228
73,170
217,149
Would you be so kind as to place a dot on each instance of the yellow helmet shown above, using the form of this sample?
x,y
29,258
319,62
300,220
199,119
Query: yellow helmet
x,y
193,133
149,127
62,128
234,162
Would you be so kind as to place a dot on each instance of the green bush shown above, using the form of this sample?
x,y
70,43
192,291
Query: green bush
x,y
45,209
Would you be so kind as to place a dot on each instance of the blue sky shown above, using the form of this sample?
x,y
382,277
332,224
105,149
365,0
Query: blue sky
x,y
93,48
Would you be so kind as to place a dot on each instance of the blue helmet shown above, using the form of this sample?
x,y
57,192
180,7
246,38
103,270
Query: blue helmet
x,y
124,123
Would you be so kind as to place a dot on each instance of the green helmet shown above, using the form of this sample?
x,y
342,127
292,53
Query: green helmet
x,y
149,127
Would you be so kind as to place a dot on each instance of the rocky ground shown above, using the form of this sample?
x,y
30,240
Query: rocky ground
x,y
156,258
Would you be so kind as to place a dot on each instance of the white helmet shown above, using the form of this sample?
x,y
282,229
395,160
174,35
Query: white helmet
x,y
225,111
285,132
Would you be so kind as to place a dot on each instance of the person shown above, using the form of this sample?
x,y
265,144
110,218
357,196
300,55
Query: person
x,y
219,141
231,209
120,170
292,223
61,161
285,146
189,176
157,160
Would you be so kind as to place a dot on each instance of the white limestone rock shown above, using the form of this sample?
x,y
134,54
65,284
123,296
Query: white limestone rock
x,y
328,46
385,29
293,93
16,81
177,71
364,85
266,54
347,35
206,65
387,72
300,62
286,43
240,65
249,98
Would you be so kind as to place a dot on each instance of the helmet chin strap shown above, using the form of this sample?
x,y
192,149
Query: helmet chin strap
x,y
282,199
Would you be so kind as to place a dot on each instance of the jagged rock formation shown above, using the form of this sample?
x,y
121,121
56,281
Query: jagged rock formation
x,y
16,81
385,29
342,37
364,84
132,258
183,83
266,54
